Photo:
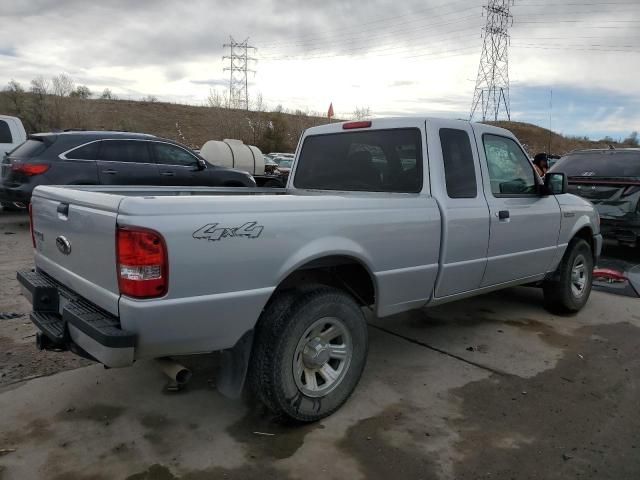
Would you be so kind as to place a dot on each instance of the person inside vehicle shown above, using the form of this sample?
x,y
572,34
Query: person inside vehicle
x,y
541,164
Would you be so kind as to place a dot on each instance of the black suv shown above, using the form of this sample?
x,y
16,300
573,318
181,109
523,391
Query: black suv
x,y
610,179
107,158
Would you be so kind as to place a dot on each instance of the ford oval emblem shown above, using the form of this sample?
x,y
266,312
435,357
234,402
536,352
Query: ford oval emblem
x,y
63,245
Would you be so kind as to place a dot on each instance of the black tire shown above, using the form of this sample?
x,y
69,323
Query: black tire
x,y
11,207
561,293
283,327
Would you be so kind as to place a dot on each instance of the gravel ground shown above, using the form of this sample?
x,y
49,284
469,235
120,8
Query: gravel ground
x,y
19,358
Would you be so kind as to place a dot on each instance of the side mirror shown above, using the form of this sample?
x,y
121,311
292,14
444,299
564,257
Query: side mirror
x,y
201,164
556,183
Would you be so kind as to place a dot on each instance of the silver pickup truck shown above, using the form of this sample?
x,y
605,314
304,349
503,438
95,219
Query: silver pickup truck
x,y
391,214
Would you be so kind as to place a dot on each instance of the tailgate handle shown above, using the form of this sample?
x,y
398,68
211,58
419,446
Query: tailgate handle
x,y
63,210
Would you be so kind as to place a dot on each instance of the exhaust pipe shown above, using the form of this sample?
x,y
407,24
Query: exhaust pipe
x,y
178,374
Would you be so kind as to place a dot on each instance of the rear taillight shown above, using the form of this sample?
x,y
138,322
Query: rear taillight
x,y
141,257
29,169
33,237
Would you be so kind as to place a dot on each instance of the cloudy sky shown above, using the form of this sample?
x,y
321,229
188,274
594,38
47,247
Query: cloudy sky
x,y
397,58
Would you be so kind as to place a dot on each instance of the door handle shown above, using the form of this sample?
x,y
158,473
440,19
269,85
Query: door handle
x,y
110,172
167,174
503,214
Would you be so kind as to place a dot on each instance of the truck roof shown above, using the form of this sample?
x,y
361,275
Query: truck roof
x,y
397,122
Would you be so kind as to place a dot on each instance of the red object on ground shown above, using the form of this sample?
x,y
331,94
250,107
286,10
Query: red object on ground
x,y
609,274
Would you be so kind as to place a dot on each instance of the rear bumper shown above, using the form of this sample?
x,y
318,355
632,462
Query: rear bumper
x,y
70,322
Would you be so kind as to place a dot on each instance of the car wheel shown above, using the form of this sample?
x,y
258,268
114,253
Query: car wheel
x,y
570,288
12,207
309,352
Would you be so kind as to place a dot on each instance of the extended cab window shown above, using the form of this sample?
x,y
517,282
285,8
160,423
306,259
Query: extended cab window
x,y
86,152
459,168
510,171
167,154
369,161
131,151
5,133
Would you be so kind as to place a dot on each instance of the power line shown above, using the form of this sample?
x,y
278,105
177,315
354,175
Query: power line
x,y
351,28
358,36
492,83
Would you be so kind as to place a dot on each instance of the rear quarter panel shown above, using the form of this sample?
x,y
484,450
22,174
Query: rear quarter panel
x,y
218,287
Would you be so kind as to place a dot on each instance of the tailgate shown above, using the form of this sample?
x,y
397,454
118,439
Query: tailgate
x,y
75,242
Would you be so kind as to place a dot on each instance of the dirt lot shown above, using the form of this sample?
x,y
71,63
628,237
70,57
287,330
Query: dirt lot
x,y
493,388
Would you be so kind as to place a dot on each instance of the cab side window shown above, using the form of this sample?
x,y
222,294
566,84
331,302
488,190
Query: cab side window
x,y
510,171
459,168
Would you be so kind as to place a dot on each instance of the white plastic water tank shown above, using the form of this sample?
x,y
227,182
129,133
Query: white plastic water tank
x,y
234,154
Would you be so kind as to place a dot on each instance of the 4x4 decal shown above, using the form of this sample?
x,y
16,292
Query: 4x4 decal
x,y
213,233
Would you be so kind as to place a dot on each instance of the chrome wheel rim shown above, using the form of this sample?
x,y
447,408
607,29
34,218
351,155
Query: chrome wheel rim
x,y
322,357
579,276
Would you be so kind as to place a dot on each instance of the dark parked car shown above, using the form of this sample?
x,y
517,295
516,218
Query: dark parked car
x,y
610,179
107,158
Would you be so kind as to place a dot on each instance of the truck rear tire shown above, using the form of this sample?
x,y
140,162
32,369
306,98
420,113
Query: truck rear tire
x,y
570,288
309,351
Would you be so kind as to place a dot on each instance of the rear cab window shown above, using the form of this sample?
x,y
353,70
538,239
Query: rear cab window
x,y
368,161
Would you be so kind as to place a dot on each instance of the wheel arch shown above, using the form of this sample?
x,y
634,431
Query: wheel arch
x,y
340,270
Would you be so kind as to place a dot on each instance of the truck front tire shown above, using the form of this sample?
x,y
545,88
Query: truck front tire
x,y
570,287
309,352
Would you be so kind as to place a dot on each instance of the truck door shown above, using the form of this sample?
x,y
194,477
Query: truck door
x,y
456,184
524,225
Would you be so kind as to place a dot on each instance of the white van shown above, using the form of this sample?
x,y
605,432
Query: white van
x,y
12,133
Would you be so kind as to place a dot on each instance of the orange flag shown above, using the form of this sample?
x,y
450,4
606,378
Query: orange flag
x,y
330,112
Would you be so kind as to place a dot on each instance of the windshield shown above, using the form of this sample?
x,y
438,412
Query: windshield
x,y
609,163
285,163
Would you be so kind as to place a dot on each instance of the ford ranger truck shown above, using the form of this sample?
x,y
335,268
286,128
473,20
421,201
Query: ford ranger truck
x,y
391,214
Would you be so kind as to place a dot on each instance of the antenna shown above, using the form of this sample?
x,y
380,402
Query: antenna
x,y
238,68
492,84
550,110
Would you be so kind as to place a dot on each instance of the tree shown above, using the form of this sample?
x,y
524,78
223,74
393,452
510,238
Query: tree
x,y
217,99
361,113
150,99
107,95
632,139
38,117
81,91
15,94
62,85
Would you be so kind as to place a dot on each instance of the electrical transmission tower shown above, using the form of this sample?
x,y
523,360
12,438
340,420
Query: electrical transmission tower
x,y
492,85
238,67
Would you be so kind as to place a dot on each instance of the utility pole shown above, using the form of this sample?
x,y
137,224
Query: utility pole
x,y
491,94
238,68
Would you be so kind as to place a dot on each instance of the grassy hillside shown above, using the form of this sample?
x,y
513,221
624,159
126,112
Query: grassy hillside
x,y
537,139
194,125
